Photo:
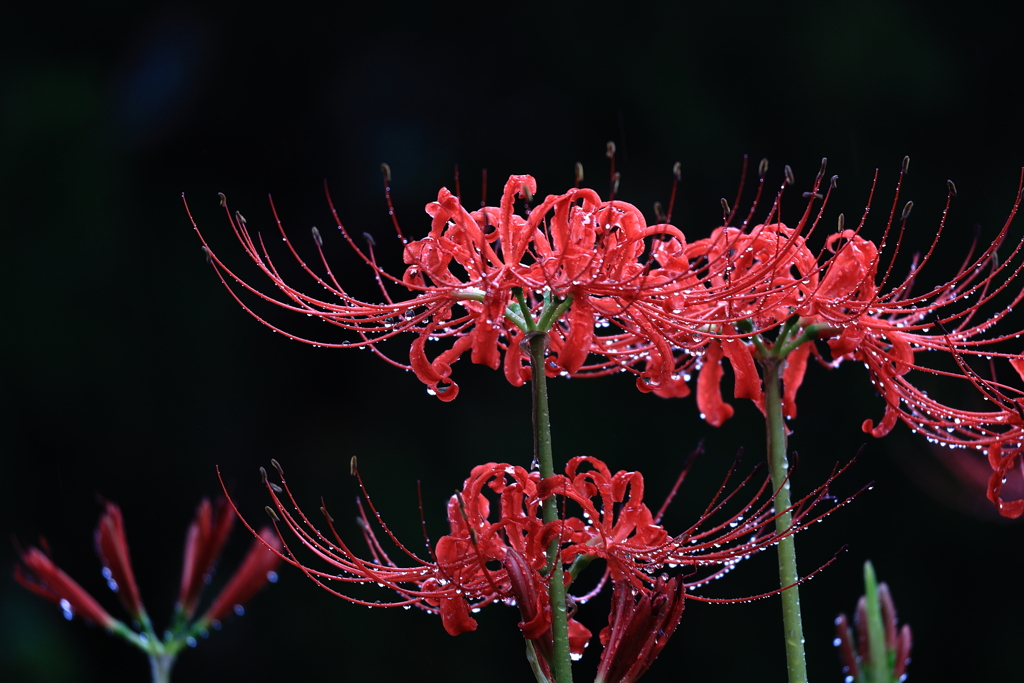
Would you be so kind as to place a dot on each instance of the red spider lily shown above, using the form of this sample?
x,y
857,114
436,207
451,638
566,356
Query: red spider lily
x,y
38,573
480,281
500,550
752,282
888,331
735,279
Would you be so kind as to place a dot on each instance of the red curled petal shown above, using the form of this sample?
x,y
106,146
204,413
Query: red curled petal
x,y
579,637
455,616
675,387
516,372
713,409
748,382
577,342
793,377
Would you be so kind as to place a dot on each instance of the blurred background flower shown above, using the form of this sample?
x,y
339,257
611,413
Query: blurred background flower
x,y
127,371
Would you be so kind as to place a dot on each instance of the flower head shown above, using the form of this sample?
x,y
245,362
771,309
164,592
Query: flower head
x,y
482,280
499,549
38,573
762,291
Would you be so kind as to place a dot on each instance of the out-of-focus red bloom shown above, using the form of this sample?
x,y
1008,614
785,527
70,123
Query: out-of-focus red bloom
x,y
639,627
203,542
855,652
497,549
39,574
256,569
206,536
112,547
463,283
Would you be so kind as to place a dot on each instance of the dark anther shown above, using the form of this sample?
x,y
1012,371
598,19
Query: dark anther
x,y
317,238
659,213
762,168
610,150
834,183
842,222
906,164
353,466
223,199
579,172
275,487
677,171
725,206
323,510
824,163
209,254
525,193
273,515
277,466
790,180
386,170
952,187
907,209
263,473
615,182
812,195
369,239
239,217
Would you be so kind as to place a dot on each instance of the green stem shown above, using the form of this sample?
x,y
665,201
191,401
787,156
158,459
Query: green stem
x,y
779,466
160,665
561,662
877,651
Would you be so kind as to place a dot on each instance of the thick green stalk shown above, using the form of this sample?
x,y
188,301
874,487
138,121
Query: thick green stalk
x,y
561,662
779,465
160,665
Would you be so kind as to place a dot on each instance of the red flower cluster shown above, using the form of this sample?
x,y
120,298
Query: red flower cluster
x,y
481,280
764,279
616,295
206,537
498,548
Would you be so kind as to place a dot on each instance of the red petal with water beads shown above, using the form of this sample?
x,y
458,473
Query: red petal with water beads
x,y
709,390
574,349
461,278
203,542
112,547
744,370
39,574
251,576
1001,465
793,377
497,550
639,626
517,361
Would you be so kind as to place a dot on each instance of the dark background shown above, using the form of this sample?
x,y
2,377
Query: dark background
x,y
129,373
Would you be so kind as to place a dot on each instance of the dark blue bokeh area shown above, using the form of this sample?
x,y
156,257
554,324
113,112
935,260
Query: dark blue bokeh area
x,y
128,372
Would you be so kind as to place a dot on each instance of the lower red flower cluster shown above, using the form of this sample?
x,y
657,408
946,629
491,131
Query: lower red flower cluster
x,y
499,549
